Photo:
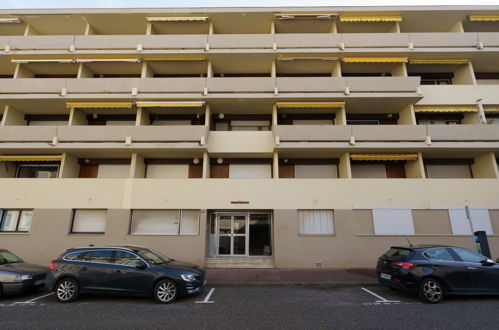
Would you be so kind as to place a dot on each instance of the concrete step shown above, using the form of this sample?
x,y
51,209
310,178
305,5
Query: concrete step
x,y
237,262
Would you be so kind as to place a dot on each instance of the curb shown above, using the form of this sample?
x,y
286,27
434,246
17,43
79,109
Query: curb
x,y
282,284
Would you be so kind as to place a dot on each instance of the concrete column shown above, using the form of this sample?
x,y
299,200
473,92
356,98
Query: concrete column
x,y
206,165
77,117
481,114
407,116
485,166
458,27
209,73
471,118
150,29
84,71
89,30
274,116
69,166
30,31
13,117
414,169
341,116
464,75
275,166
395,28
207,116
137,166
142,117
336,69
334,28
344,168
22,72
211,28
272,27
400,70
146,71
273,72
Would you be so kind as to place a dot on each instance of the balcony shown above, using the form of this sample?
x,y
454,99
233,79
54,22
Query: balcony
x,y
459,94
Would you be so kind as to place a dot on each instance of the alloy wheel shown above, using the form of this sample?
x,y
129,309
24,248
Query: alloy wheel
x,y
432,291
166,291
66,290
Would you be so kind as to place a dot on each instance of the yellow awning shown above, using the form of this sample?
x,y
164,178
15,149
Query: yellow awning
x,y
491,108
375,59
309,58
440,61
391,157
108,59
174,58
484,18
305,15
169,104
21,158
310,104
445,108
176,19
10,20
393,18
42,60
96,105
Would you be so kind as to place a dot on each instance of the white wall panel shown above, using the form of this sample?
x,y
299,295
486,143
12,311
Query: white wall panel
x,y
393,222
250,171
448,171
113,171
316,171
180,171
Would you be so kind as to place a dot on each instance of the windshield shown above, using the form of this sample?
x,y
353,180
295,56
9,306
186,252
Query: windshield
x,y
7,257
153,257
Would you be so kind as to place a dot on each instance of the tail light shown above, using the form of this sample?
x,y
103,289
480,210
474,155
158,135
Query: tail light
x,y
403,265
52,263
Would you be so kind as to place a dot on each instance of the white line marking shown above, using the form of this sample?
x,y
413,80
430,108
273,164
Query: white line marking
x,y
381,299
34,299
207,298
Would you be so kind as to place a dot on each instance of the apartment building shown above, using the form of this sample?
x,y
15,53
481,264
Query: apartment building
x,y
249,137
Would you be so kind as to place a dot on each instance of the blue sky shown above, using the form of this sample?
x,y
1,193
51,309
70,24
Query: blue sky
x,y
8,4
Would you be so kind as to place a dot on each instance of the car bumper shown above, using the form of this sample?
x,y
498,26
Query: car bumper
x,y
405,283
21,287
190,288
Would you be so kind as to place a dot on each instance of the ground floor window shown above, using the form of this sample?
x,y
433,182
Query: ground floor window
x,y
165,222
89,221
315,222
393,222
15,220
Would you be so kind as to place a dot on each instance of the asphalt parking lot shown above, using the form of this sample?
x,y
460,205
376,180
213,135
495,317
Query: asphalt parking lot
x,y
262,307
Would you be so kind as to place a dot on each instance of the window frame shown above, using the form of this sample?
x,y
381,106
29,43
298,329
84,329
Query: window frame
x,y
450,252
298,224
3,212
37,165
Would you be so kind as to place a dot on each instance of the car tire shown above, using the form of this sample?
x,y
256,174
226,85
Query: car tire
x,y
165,292
431,291
66,290
1,291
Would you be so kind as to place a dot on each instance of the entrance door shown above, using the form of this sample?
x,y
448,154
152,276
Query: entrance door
x,y
232,230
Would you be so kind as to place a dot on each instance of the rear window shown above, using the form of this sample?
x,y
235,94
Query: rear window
x,y
397,254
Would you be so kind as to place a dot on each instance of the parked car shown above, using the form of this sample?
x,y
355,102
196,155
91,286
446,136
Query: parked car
x,y
130,270
17,276
433,271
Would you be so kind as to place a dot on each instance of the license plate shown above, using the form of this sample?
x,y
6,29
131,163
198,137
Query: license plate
x,y
385,276
39,282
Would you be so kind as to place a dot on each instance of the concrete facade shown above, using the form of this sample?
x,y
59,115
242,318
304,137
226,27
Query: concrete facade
x,y
246,112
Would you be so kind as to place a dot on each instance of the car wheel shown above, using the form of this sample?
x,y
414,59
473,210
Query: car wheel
x,y
1,291
66,290
431,291
166,291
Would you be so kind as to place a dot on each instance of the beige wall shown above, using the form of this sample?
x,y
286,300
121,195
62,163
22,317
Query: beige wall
x,y
431,222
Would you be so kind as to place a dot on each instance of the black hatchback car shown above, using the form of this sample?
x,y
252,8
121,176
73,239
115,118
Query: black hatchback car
x,y
432,271
128,270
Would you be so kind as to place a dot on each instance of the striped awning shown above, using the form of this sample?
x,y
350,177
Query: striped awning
x,y
309,58
97,105
22,158
108,59
491,108
10,20
305,15
177,19
375,59
169,104
42,60
386,157
391,18
445,108
440,61
484,18
310,104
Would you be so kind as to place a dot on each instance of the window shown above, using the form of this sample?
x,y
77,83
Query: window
x,y
393,222
37,171
126,258
102,256
368,171
315,222
468,256
165,222
89,221
316,171
460,224
439,254
15,220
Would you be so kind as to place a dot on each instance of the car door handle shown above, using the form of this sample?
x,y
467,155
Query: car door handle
x,y
83,269
118,271
472,268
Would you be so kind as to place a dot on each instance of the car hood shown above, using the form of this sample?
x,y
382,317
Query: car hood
x,y
185,266
24,268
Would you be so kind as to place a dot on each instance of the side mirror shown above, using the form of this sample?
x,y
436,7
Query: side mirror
x,y
141,265
487,262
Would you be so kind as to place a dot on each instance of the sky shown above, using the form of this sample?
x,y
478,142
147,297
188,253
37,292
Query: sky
x,y
11,4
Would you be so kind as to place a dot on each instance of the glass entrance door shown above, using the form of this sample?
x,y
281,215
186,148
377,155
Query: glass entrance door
x,y
232,232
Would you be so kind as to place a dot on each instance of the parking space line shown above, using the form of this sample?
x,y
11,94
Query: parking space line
x,y
381,299
34,299
207,298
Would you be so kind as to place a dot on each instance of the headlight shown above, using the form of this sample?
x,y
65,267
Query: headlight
x,y
189,277
23,277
